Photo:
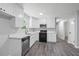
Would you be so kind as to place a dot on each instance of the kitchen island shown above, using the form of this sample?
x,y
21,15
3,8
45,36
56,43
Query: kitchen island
x,y
19,44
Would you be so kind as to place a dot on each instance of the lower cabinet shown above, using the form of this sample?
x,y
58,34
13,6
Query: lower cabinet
x,y
33,38
51,37
19,46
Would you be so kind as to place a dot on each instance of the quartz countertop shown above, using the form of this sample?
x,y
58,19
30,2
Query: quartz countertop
x,y
17,35
30,33
51,32
22,35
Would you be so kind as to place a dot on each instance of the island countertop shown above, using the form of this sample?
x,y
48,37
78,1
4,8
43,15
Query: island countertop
x,y
18,35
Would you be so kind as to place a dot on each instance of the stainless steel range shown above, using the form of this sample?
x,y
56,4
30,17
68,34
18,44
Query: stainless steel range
x,y
43,36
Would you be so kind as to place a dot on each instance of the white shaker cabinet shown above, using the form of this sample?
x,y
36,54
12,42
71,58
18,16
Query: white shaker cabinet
x,y
50,23
18,22
51,37
12,9
34,22
33,38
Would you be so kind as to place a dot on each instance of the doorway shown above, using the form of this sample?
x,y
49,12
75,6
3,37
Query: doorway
x,y
71,31
60,29
65,29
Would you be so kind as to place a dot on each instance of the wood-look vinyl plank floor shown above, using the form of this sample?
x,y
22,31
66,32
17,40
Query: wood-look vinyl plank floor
x,y
60,48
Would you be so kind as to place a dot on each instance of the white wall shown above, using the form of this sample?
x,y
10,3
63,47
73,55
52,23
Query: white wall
x,y
77,29
66,29
60,30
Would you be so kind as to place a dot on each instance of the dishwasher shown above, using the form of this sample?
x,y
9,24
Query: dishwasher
x,y
25,45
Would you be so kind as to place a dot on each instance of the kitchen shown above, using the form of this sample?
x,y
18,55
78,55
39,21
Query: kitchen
x,y
38,29
22,26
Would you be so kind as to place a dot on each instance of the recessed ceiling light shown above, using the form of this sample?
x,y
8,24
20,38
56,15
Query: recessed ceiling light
x,y
58,20
41,13
72,22
20,16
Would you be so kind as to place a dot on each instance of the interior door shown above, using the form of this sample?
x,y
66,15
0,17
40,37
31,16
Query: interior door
x,y
71,33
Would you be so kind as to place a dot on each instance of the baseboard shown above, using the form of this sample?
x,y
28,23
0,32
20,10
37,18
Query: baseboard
x,y
73,44
51,42
69,42
76,46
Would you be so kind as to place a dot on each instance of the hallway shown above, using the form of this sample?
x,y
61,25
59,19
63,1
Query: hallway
x,y
60,48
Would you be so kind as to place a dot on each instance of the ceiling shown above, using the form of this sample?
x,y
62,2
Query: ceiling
x,y
51,9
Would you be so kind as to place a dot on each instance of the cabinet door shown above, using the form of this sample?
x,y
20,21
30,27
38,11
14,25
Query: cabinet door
x,y
18,22
50,23
33,38
51,37
12,9
35,23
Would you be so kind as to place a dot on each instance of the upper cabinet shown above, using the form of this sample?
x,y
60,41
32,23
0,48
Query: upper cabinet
x,y
50,23
34,22
11,8
14,10
21,19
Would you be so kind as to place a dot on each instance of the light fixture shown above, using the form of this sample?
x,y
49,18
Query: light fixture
x,y
65,20
57,20
20,15
41,13
72,22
